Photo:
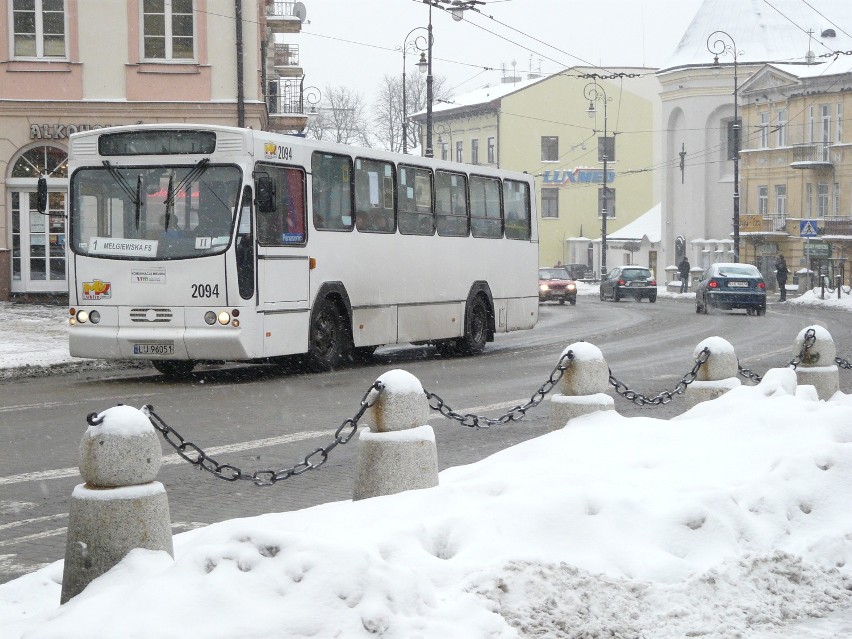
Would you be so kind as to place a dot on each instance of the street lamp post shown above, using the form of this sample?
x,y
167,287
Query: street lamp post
x,y
407,46
718,44
594,92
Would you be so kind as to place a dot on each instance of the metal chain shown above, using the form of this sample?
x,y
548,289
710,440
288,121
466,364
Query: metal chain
x,y
843,363
807,343
834,54
197,457
515,413
666,396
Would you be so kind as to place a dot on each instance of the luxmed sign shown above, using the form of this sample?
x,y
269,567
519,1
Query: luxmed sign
x,y
577,176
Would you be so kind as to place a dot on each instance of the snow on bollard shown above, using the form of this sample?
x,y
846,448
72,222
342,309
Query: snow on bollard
x,y
817,367
582,389
398,452
717,375
121,506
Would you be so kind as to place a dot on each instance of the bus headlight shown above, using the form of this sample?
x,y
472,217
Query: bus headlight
x,y
82,316
94,317
210,317
224,318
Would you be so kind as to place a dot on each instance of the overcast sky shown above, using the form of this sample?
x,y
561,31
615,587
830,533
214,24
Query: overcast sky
x,y
355,42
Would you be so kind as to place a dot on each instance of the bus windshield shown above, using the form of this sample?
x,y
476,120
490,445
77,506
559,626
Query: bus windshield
x,y
153,212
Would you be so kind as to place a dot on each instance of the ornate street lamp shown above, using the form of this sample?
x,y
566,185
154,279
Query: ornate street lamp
x,y
414,46
722,43
594,92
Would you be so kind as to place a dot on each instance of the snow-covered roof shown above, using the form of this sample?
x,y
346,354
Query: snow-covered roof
x,y
646,225
765,32
482,96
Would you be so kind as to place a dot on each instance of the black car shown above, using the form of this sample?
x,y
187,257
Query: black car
x,y
629,281
730,286
555,284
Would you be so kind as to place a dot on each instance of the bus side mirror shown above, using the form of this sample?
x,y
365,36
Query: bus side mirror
x,y
265,189
41,195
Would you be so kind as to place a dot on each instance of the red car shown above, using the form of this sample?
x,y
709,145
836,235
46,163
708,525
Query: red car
x,y
555,284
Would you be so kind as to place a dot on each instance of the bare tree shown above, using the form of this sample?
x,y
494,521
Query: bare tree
x,y
388,123
342,117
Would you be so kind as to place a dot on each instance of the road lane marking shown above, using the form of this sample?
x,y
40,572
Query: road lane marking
x,y
33,520
42,535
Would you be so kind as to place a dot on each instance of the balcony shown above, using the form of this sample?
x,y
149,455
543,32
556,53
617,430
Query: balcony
x,y
836,226
285,102
284,16
813,155
286,60
757,224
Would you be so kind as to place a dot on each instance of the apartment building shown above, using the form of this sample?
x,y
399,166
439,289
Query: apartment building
x,y
72,65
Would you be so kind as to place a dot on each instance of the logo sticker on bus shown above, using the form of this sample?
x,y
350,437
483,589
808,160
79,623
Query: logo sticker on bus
x,y
97,290
273,151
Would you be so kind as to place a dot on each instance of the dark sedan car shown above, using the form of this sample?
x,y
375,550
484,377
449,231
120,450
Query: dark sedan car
x,y
629,281
555,284
729,286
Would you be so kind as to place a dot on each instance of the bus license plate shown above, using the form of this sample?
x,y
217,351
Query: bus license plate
x,y
153,349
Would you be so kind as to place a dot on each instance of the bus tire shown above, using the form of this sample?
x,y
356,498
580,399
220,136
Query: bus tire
x,y
328,337
173,367
475,329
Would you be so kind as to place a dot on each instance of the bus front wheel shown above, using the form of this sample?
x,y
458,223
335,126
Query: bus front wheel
x,y
173,367
328,338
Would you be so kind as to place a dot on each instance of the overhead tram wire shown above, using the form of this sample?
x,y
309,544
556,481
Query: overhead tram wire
x,y
827,19
796,24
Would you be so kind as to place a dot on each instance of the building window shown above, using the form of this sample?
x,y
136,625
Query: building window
x,y
825,110
38,28
763,128
838,135
822,200
734,138
782,127
607,204
445,151
809,200
491,151
474,151
459,151
809,127
835,201
549,203
781,200
763,200
549,148
168,30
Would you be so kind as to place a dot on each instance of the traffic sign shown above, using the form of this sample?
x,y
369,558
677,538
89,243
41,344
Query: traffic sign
x,y
807,228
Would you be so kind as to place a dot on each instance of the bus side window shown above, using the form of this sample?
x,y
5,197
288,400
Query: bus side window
x,y
331,191
374,196
485,207
284,223
245,248
516,202
451,204
414,201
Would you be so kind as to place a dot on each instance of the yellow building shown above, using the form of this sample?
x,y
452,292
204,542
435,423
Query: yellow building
x,y
796,161
543,126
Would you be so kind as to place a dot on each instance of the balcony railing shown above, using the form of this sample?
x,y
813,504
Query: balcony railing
x,y
280,8
776,222
836,226
811,155
285,97
286,55
284,17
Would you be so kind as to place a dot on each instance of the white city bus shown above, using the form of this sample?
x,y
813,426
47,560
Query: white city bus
x,y
192,243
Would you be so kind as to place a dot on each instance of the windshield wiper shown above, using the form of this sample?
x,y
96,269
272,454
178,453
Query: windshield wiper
x,y
195,173
136,197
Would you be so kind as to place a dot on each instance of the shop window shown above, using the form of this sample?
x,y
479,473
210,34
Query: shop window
x,y
38,28
168,30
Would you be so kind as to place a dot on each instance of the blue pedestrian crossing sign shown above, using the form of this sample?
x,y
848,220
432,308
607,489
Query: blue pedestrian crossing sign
x,y
807,228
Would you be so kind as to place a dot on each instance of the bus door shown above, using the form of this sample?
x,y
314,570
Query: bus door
x,y
283,268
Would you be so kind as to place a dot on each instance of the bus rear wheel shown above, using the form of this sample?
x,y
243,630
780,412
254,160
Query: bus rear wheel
x,y
476,328
173,368
328,338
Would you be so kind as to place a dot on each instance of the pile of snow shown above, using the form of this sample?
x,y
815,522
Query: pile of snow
x,y
731,520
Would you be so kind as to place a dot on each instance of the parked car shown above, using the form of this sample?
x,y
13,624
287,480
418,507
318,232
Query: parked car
x,y
729,286
555,284
576,271
629,281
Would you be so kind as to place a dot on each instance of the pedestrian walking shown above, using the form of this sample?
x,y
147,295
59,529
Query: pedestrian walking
x,y
781,275
683,269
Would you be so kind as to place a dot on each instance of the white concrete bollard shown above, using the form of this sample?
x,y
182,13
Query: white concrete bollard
x,y
120,507
582,389
717,375
817,367
398,452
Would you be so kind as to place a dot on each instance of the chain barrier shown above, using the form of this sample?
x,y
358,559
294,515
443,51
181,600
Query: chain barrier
x,y
834,54
197,457
843,363
515,413
665,396
807,343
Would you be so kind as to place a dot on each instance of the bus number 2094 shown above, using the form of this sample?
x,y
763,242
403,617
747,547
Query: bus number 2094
x,y
205,290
